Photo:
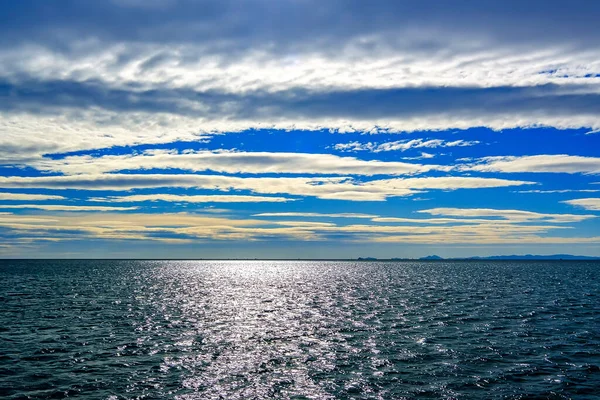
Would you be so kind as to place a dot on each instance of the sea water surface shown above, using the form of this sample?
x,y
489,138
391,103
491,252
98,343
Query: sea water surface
x,y
303,330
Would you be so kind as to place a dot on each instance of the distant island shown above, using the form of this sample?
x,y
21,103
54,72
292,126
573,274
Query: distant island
x,y
518,257
506,257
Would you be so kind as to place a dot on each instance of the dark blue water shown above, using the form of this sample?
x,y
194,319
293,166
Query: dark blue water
x,y
242,330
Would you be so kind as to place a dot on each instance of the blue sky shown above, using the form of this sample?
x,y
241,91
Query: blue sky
x,y
299,129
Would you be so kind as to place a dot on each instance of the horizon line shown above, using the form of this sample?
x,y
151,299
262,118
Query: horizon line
x,y
367,259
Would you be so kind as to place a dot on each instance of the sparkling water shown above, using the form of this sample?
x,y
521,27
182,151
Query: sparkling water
x,y
303,330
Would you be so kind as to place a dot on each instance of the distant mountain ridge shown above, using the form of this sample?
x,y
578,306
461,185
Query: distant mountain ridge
x,y
518,257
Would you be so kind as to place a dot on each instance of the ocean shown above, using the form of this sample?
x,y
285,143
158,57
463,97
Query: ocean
x,y
299,329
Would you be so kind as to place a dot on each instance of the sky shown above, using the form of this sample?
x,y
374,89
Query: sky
x,y
299,128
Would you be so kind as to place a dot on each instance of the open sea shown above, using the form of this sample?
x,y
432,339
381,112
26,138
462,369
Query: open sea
x,y
299,330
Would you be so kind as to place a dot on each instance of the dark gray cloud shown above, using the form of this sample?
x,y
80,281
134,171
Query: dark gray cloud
x,y
372,104
293,25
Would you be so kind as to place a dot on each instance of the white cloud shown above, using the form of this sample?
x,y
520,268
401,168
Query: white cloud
x,y
362,62
25,136
315,215
487,228
190,228
160,227
540,163
401,145
438,221
29,197
486,239
305,224
514,215
435,221
423,156
592,204
339,188
354,146
191,199
52,207
451,183
560,191
232,163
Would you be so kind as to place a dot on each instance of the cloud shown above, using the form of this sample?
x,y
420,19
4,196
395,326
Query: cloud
x,y
391,109
559,163
220,43
61,119
25,137
191,199
486,239
29,197
52,207
402,145
560,191
121,73
169,227
592,204
514,215
333,188
439,221
86,88
483,229
194,228
451,183
315,215
232,163
423,156
435,221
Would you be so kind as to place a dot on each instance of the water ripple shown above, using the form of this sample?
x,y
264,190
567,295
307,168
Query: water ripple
x,y
312,330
